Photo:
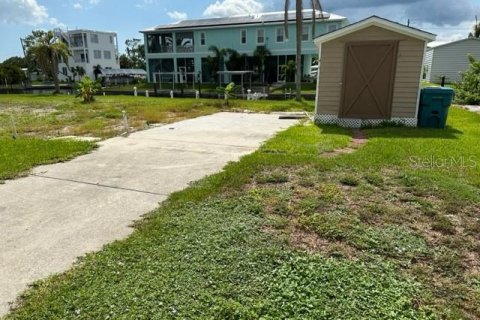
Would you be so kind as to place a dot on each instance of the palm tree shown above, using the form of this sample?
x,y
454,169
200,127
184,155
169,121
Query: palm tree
x,y
475,31
315,4
261,53
46,49
81,71
74,72
236,61
97,70
217,61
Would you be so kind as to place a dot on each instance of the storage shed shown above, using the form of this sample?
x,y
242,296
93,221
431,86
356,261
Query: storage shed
x,y
370,72
450,59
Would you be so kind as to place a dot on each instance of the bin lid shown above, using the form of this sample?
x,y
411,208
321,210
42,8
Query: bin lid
x,y
438,90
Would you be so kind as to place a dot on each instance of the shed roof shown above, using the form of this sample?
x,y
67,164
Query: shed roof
x,y
257,18
378,22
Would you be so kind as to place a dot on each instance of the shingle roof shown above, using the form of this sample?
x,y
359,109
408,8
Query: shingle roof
x,y
258,18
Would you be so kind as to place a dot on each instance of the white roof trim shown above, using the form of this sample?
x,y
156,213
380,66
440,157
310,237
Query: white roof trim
x,y
378,22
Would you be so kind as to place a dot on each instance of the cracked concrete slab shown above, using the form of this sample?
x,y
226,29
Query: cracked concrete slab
x,y
65,210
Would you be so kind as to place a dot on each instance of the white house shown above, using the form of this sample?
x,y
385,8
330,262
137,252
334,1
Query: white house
x,y
89,48
450,59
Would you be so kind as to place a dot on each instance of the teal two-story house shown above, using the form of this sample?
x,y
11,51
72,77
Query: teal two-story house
x,y
180,52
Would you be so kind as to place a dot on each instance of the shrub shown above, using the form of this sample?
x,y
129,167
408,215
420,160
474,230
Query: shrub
x,y
87,88
468,90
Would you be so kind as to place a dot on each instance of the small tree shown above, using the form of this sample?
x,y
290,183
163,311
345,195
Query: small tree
x,y
226,91
468,90
216,62
11,74
81,71
135,53
229,91
45,48
288,70
74,73
87,88
260,54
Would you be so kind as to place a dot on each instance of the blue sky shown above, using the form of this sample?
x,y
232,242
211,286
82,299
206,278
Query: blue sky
x,y
450,20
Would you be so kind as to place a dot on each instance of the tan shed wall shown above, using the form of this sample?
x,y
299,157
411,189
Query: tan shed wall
x,y
407,78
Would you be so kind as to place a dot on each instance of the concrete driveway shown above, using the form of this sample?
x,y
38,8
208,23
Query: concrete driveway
x,y
65,210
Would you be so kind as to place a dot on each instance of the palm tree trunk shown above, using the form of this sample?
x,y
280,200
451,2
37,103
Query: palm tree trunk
x,y
298,63
55,72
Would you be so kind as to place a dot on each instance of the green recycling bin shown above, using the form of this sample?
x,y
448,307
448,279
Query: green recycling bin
x,y
434,105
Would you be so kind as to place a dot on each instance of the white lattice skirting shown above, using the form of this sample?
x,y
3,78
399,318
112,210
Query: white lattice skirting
x,y
358,123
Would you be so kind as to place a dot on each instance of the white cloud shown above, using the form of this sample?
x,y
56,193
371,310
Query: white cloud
x,y
233,7
145,3
449,20
54,22
448,33
22,12
85,4
177,16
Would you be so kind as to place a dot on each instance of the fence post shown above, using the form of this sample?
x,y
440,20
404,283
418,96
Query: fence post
x,y
125,122
14,128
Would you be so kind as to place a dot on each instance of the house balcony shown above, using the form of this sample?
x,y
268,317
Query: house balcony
x,y
184,49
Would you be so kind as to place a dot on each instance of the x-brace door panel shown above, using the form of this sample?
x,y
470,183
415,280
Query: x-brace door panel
x,y
369,74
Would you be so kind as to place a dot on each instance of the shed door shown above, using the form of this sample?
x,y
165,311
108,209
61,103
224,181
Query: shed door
x,y
369,73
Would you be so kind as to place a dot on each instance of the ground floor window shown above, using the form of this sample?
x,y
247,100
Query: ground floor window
x,y
161,70
185,70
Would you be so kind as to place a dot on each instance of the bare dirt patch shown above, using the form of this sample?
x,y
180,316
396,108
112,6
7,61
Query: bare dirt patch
x,y
359,138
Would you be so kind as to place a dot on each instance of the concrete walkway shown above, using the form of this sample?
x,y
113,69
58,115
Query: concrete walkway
x,y
473,108
65,210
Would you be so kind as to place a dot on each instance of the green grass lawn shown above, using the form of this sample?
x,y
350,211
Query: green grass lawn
x,y
37,118
390,231
63,115
18,156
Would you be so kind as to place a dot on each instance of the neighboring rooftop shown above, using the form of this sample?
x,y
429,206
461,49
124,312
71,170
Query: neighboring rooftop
x,y
91,31
379,22
257,18
438,44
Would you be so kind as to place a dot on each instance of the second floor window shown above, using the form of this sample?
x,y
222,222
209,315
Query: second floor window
x,y
107,55
280,34
243,36
202,38
260,36
332,27
94,38
305,33
97,54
